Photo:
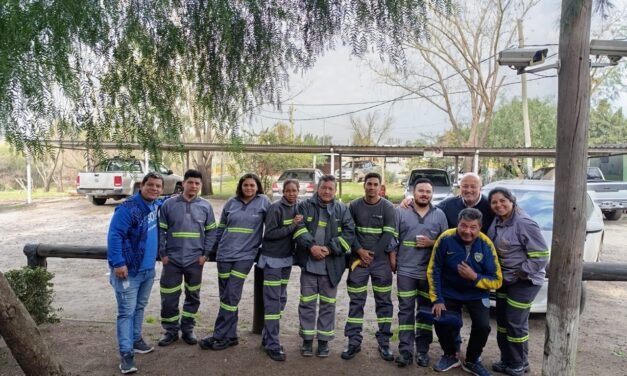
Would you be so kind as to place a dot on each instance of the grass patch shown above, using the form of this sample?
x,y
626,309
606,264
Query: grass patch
x,y
20,195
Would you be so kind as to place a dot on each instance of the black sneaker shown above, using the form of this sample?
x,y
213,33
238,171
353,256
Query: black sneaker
x,y
519,371
206,342
323,349
189,338
385,353
127,363
404,359
221,344
501,367
277,355
475,368
422,359
306,349
168,338
141,347
350,351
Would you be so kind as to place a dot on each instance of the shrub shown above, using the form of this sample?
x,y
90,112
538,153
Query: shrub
x,y
33,288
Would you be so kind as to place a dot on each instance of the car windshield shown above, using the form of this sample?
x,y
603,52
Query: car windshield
x,y
539,206
438,179
298,175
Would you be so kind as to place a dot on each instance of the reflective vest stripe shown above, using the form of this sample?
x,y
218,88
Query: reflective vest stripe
x,y
186,235
227,307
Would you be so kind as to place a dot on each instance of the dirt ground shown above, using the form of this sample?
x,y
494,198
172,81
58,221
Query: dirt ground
x,y
85,341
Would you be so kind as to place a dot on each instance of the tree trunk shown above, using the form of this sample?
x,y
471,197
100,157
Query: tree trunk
x,y
203,164
22,335
569,218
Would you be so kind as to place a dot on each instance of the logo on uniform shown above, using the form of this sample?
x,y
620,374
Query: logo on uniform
x,y
478,256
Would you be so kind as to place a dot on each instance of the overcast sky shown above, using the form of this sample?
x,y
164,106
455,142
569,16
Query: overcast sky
x,y
339,78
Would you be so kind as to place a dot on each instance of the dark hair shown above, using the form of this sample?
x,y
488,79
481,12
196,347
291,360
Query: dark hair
x,y
192,174
152,175
291,181
422,181
326,178
470,214
372,175
239,192
505,192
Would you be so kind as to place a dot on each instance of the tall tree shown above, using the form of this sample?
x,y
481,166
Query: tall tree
x,y
370,131
456,69
507,129
607,125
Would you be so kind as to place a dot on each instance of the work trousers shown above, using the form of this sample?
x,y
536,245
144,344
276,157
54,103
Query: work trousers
x,y
413,294
231,278
316,288
171,284
479,311
275,282
513,303
357,285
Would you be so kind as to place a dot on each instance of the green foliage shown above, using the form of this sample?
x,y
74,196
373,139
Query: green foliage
x,y
507,125
33,287
121,65
606,125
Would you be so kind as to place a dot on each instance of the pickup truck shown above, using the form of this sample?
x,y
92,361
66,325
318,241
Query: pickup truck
x,y
118,178
611,196
442,186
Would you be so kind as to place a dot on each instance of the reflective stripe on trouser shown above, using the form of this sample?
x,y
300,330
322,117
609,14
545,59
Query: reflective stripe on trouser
x,y
274,300
315,287
357,285
171,285
513,303
412,295
231,278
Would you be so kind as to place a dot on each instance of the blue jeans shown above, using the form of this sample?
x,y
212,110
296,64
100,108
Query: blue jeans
x,y
132,296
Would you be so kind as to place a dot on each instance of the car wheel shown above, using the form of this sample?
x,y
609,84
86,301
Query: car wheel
x,y
178,189
613,215
98,201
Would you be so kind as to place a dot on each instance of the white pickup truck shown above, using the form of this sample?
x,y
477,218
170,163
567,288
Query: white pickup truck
x,y
611,196
118,178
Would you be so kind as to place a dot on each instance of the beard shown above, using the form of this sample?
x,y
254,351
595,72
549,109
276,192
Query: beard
x,y
422,205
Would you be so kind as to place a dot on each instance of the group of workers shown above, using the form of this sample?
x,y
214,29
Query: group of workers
x,y
446,257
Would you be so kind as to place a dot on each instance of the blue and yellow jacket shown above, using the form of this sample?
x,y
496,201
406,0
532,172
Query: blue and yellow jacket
x,y
448,252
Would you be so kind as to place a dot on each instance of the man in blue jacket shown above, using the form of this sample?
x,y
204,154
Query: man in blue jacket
x,y
131,252
463,268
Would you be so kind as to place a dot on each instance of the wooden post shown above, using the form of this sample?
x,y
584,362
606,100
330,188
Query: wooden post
x,y
22,335
258,310
569,218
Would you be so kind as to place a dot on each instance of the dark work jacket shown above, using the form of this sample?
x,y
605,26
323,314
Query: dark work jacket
x,y
339,235
277,238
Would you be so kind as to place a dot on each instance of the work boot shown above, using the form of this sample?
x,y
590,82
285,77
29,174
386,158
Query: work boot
x,y
422,359
189,338
168,338
306,349
350,351
206,342
277,355
323,349
221,344
385,353
404,359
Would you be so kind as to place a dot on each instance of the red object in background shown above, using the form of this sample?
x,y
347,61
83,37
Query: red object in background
x,y
310,187
117,181
382,191
78,180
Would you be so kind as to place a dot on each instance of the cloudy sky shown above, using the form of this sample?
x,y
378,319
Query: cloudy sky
x,y
330,88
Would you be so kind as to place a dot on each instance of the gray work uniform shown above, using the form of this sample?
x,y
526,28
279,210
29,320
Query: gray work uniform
x,y
329,225
277,257
411,280
375,228
239,237
187,231
521,248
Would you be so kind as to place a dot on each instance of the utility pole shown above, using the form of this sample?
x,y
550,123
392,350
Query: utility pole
x,y
525,107
569,217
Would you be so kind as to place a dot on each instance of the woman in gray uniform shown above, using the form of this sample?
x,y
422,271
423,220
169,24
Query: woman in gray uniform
x,y
277,257
238,239
523,255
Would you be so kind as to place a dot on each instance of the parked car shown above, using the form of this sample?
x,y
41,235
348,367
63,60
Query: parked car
x,y
356,170
611,196
440,179
307,177
118,178
536,198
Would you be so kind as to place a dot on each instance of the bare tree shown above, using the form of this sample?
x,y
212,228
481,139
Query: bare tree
x,y
456,67
370,131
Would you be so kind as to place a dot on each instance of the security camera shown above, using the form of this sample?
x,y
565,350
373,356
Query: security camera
x,y
520,58
613,49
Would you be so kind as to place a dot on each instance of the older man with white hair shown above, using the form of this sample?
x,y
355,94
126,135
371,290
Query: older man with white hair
x,y
469,197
